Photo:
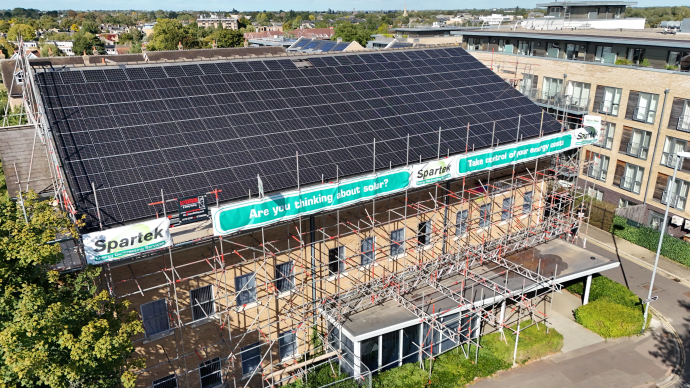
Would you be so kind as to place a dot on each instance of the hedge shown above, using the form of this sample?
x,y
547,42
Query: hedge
x,y
534,343
672,248
603,287
610,319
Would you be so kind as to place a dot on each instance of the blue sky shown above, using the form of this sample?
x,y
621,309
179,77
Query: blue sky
x,y
178,5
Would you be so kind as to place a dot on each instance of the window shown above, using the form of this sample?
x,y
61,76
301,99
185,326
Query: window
x,y
336,260
288,344
461,223
672,147
507,209
527,202
578,95
632,178
390,350
571,51
285,276
251,358
424,233
370,354
202,302
525,47
655,220
398,242
19,77
638,146
606,140
635,55
485,215
684,118
367,255
155,317
646,108
245,288
596,194
551,87
209,371
604,54
598,167
610,101
676,194
410,344
169,381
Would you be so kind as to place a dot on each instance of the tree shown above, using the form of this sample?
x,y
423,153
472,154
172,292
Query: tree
x,y
84,42
56,330
312,17
7,48
297,22
91,27
227,38
352,32
47,48
26,31
168,33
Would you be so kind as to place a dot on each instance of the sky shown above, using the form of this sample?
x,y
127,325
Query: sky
x,y
298,5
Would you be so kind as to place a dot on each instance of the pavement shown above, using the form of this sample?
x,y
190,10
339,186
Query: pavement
x,y
653,360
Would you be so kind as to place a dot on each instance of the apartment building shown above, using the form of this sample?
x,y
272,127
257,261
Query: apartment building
x,y
645,108
216,20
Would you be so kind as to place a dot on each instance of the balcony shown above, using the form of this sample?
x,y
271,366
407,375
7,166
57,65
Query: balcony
x,y
676,201
644,115
637,150
558,101
683,123
669,159
609,108
631,185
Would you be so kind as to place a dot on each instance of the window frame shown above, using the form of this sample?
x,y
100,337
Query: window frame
x,y
282,345
240,291
679,185
245,352
484,211
638,171
281,279
507,214
655,216
600,173
668,158
340,262
642,146
202,305
397,242
614,102
653,98
367,257
210,364
161,383
609,132
424,230
144,320
461,226
527,201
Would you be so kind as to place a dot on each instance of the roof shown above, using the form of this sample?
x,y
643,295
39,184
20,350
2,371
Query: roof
x,y
569,261
623,39
22,157
587,3
133,130
439,29
317,45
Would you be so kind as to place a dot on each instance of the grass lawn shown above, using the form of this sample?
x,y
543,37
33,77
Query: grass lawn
x,y
534,343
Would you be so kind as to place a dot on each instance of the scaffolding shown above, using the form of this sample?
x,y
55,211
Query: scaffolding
x,y
325,289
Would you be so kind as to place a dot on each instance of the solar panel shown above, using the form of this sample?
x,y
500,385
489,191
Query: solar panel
x,y
133,130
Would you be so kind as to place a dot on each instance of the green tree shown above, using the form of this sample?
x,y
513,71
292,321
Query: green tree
x,y
56,330
227,38
352,32
26,31
46,22
168,33
91,27
47,48
297,22
6,48
84,42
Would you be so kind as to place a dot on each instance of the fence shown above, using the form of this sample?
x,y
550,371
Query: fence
x,y
601,217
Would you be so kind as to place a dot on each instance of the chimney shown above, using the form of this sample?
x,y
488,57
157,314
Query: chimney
x,y
340,40
179,46
214,45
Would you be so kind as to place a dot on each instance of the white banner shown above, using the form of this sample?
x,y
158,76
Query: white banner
x,y
432,172
592,124
126,241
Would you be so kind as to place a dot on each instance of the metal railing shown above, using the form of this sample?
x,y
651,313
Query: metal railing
x,y
596,173
644,115
557,100
683,123
637,150
676,201
609,108
630,185
669,160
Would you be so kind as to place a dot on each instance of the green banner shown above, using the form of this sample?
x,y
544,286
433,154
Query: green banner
x,y
281,207
514,153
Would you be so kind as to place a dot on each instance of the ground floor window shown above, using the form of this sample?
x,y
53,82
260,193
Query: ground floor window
x,y
655,220
209,371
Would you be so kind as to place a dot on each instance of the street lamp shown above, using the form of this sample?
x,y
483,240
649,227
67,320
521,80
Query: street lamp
x,y
680,156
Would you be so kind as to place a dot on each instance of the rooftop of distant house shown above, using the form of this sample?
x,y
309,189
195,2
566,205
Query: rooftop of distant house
x,y
586,3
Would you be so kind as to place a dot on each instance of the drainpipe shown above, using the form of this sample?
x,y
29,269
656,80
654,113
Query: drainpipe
x,y
656,141
312,236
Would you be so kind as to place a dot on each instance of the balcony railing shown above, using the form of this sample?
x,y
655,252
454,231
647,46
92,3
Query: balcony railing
x,y
637,150
673,200
669,159
630,185
557,100
644,115
596,173
683,123
609,108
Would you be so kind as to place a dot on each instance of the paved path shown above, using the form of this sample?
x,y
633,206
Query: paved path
x,y
626,362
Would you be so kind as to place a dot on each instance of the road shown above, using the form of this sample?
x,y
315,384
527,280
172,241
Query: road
x,y
673,302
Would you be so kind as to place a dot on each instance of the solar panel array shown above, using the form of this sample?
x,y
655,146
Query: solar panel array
x,y
192,128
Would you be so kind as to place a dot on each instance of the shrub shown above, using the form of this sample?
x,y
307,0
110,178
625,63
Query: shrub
x,y
534,343
603,287
645,63
323,375
672,248
610,319
623,61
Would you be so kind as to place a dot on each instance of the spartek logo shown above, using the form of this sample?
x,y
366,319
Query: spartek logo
x,y
127,242
433,172
591,133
